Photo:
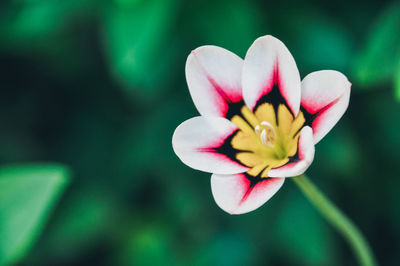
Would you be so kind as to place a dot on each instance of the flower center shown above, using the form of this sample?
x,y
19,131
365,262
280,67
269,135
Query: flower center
x,y
266,133
267,137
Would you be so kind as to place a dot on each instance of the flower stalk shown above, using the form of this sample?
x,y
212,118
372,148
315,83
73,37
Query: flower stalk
x,y
338,220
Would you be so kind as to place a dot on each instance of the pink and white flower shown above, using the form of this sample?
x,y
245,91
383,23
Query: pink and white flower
x,y
259,122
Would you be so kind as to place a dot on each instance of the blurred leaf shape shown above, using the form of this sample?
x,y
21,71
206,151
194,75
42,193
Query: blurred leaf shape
x,y
226,249
34,20
235,30
127,3
87,217
53,32
377,61
339,154
397,81
149,244
386,129
141,145
139,44
27,195
320,42
303,234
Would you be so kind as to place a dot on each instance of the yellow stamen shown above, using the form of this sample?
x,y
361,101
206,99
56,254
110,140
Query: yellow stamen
x,y
250,117
266,138
242,125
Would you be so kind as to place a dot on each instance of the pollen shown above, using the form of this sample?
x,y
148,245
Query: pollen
x,y
266,133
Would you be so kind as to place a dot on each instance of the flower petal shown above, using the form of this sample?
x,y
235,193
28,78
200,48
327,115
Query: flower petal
x,y
236,194
214,75
325,96
203,144
302,160
270,74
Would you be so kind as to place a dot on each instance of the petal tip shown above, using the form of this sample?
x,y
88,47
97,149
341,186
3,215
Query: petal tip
x,y
267,37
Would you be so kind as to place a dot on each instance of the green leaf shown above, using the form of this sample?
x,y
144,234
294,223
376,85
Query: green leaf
x,y
149,244
240,26
139,46
25,21
27,195
303,235
335,161
99,216
376,63
397,81
225,249
320,42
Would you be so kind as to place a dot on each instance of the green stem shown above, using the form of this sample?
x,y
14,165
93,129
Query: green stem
x,y
338,220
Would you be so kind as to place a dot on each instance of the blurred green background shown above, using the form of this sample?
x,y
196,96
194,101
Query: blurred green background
x,y
92,90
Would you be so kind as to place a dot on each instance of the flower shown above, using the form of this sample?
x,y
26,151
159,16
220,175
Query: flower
x,y
259,123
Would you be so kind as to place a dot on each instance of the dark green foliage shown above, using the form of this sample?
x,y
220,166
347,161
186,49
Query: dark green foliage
x,y
99,86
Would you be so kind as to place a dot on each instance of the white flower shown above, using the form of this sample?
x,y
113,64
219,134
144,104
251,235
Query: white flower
x,y
259,123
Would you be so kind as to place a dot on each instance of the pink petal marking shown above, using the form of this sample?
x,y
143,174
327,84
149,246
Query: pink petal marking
x,y
222,148
241,193
229,101
312,108
314,114
298,163
274,80
248,186
252,184
227,97
234,97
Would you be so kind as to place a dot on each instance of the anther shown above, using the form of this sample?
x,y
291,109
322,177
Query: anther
x,y
267,133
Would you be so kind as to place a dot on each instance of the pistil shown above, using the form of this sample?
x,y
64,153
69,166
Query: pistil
x,y
267,133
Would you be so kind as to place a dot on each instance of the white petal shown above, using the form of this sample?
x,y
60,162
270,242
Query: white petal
x,y
269,62
235,195
325,95
194,142
214,75
305,153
